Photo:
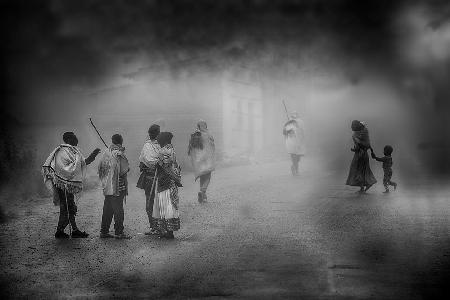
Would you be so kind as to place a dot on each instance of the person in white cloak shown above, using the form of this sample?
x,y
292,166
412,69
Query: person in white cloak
x,y
202,153
112,171
64,171
294,134
148,160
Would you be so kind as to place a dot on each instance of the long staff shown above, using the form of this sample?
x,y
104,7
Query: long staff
x,y
153,185
68,212
99,135
285,109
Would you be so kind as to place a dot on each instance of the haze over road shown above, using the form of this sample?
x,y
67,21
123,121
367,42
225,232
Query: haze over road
x,y
264,234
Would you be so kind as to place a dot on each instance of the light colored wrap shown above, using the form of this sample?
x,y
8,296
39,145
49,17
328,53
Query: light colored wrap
x,y
113,164
203,160
294,135
150,153
65,168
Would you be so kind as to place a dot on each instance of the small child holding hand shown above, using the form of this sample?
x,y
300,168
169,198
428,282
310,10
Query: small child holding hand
x,y
387,167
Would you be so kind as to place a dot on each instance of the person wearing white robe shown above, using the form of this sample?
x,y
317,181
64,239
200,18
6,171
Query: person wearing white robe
x,y
64,171
202,153
148,160
294,134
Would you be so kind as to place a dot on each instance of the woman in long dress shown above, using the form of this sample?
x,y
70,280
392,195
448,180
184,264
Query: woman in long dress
x,y
360,173
166,218
201,151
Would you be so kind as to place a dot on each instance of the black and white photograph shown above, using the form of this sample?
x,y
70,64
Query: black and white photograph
x,y
225,149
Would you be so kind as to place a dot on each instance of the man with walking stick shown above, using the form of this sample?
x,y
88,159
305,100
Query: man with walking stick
x,y
63,172
112,170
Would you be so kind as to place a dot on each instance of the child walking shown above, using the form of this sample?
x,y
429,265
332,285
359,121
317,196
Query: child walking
x,y
387,167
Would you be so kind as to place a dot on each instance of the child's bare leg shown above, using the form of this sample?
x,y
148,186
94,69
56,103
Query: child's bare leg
x,y
393,184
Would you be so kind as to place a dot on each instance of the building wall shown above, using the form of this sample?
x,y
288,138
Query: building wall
x,y
130,110
242,112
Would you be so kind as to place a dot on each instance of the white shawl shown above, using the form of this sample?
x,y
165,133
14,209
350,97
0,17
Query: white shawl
x,y
150,153
65,168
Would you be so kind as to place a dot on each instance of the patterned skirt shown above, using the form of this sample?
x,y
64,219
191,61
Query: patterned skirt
x,y
165,215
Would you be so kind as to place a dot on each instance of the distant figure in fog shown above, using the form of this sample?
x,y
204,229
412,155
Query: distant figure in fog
x,y
360,174
64,171
387,167
166,218
202,153
112,170
148,160
294,134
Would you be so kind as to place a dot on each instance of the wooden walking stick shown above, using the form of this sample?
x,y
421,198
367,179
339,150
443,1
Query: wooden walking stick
x,y
285,109
153,183
154,188
68,212
99,135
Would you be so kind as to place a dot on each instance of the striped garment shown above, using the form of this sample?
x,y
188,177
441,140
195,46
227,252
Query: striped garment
x,y
165,215
122,183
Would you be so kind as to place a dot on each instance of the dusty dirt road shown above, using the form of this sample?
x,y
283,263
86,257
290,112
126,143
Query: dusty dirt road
x,y
264,234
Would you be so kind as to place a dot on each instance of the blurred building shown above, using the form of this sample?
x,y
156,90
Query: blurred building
x,y
231,102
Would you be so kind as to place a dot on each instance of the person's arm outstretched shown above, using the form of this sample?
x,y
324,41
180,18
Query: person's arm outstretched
x,y
92,156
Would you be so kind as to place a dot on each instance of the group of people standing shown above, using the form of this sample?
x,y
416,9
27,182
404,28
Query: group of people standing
x,y
160,179
160,174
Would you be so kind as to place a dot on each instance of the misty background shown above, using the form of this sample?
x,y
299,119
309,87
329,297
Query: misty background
x,y
130,64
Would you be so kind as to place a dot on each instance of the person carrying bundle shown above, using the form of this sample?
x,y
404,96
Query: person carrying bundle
x,y
360,173
202,153
294,134
148,160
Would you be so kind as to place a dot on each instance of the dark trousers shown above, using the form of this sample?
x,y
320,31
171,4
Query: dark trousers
x,y
149,201
113,207
204,182
67,210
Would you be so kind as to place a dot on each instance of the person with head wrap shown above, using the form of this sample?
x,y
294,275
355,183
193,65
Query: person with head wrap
x,y
64,171
112,170
202,153
294,134
166,218
148,160
360,173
